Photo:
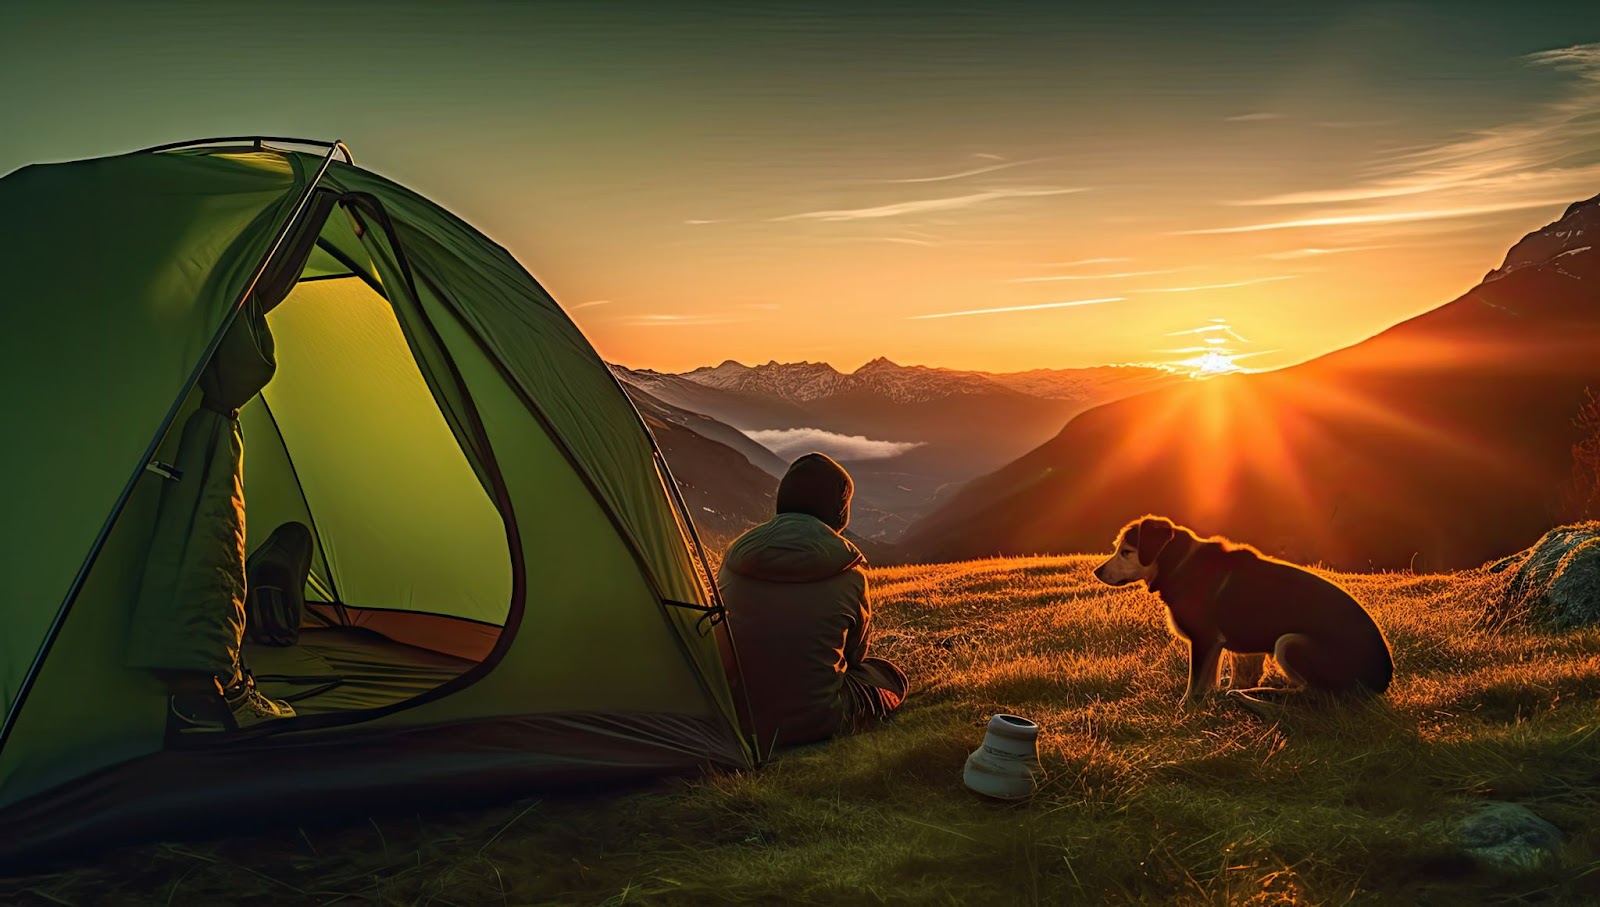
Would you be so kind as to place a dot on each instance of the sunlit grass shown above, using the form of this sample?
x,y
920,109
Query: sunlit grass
x,y
1140,803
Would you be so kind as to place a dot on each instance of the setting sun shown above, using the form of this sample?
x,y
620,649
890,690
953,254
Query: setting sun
x,y
1211,362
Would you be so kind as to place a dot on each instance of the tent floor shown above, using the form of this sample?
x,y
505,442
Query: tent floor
x,y
348,668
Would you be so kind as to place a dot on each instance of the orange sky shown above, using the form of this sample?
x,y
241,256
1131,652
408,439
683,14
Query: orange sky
x,y
1053,280
699,183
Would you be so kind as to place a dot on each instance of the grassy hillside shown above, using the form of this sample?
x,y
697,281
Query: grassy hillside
x,y
1142,802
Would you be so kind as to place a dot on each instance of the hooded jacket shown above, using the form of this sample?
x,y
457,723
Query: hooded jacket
x,y
797,605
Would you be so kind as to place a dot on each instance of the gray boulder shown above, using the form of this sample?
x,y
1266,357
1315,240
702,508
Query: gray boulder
x,y
1508,836
1557,582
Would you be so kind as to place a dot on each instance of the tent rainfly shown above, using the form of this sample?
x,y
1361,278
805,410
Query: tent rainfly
x,y
505,594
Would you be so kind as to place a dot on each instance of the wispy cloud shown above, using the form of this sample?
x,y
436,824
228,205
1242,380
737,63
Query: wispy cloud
x,y
1021,308
927,204
678,321
1083,262
1548,156
700,221
788,442
1388,217
1219,327
1292,254
1182,351
975,171
1218,286
1253,117
1335,196
1253,353
1215,356
1352,124
1120,275
589,305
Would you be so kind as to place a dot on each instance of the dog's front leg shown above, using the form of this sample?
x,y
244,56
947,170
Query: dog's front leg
x,y
1204,659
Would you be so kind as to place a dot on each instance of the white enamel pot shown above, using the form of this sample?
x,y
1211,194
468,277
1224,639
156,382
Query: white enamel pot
x,y
1006,766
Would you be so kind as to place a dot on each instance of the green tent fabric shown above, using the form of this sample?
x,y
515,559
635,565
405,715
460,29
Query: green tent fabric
x,y
189,615
505,591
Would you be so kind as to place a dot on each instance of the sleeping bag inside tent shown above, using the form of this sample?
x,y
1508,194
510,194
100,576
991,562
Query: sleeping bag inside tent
x,y
473,574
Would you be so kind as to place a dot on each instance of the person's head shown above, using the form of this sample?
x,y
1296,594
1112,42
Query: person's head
x,y
818,486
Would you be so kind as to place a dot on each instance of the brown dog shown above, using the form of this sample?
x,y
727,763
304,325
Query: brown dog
x,y
1221,595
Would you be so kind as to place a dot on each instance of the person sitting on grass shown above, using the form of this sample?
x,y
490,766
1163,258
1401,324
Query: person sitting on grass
x,y
797,606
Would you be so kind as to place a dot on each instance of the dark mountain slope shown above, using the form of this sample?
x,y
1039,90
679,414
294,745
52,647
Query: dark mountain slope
x,y
726,493
705,426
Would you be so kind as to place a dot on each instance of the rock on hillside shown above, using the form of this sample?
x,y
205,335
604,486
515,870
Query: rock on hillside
x,y
1556,583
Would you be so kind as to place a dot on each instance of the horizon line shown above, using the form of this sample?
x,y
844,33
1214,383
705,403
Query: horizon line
x,y
1154,366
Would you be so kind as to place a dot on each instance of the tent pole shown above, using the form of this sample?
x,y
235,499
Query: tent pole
x,y
259,141
60,619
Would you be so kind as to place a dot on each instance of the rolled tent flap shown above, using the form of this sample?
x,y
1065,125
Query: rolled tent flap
x,y
190,611
189,614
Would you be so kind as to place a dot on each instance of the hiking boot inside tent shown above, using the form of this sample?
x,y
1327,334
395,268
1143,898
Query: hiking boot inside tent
x,y
481,580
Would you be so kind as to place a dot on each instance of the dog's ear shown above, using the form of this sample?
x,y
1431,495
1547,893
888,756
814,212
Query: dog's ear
x,y
1154,534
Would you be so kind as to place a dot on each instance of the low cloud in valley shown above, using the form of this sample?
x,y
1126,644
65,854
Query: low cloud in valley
x,y
792,442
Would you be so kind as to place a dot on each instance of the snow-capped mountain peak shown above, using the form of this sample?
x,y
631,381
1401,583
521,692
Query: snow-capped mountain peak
x,y
804,382
1575,232
796,381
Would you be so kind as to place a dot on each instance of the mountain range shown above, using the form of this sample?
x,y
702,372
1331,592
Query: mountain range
x,y
1442,442
906,433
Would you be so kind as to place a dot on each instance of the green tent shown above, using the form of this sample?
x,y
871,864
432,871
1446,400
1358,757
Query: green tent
x,y
505,594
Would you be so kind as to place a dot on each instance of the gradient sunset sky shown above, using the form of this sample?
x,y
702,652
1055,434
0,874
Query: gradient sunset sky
x,y
993,186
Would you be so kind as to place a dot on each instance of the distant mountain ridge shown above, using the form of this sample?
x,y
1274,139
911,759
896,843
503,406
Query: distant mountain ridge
x,y
953,425
807,382
1445,441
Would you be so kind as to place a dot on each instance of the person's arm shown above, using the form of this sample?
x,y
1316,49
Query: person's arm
x,y
860,633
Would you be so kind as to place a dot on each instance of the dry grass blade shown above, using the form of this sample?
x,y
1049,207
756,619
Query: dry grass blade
x,y
496,836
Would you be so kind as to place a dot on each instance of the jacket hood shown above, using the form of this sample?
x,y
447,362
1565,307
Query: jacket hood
x,y
791,548
818,486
